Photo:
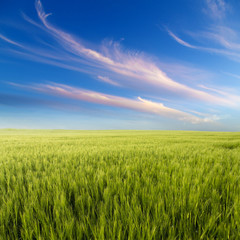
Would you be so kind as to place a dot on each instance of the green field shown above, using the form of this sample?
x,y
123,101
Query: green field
x,y
119,185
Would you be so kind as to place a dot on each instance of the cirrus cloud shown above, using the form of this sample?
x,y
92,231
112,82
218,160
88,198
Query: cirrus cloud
x,y
138,104
128,68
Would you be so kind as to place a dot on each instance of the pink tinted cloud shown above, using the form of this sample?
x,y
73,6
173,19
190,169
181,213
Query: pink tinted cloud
x,y
108,80
126,66
179,40
138,104
137,67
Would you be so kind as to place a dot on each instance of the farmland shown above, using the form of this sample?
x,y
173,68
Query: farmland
x,y
57,184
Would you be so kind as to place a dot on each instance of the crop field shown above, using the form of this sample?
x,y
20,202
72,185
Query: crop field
x,y
119,185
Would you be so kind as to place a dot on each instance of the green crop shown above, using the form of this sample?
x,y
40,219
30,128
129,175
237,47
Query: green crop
x,y
119,185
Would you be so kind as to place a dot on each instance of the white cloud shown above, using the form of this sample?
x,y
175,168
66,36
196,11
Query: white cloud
x,y
108,80
229,48
132,65
139,104
232,75
127,67
216,9
10,41
179,40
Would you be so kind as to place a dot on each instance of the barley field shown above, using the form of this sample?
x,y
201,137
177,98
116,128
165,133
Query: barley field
x,y
57,184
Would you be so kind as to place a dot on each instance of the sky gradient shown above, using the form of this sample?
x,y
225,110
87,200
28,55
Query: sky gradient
x,y
171,65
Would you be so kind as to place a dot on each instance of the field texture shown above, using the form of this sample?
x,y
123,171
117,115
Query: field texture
x,y
119,185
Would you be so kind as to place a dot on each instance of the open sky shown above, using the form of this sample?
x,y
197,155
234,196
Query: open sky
x,y
120,64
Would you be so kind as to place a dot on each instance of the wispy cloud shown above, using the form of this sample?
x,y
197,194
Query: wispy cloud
x,y
128,68
179,40
111,61
219,34
138,104
108,80
187,73
217,37
9,41
224,36
216,9
232,75
233,97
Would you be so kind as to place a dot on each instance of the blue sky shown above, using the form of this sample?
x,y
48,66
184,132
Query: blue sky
x,y
120,64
